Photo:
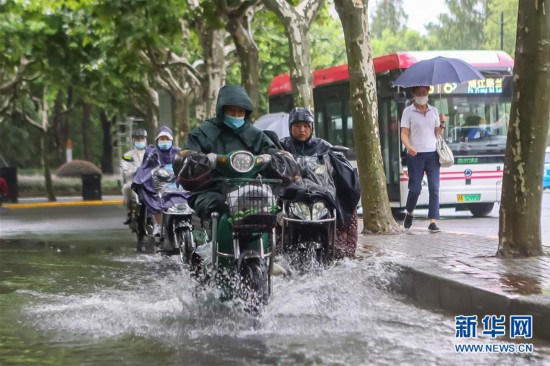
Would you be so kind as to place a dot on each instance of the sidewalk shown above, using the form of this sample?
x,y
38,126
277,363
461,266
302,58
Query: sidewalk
x,y
33,202
459,273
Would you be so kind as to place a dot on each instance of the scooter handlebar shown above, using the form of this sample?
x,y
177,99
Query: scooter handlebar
x,y
213,159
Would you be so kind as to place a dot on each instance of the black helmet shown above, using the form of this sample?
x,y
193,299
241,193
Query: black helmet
x,y
300,114
140,132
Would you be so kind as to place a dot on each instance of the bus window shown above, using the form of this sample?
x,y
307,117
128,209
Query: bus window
x,y
389,142
442,105
477,125
349,140
384,120
281,103
320,127
335,128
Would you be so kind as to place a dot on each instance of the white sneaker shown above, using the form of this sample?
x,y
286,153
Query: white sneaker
x,y
156,230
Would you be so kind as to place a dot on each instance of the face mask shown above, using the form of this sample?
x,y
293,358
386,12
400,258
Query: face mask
x,y
164,145
421,100
140,145
233,122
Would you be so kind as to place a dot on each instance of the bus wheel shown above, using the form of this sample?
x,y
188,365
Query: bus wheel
x,y
481,209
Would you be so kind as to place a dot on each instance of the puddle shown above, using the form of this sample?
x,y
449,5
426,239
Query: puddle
x,y
520,284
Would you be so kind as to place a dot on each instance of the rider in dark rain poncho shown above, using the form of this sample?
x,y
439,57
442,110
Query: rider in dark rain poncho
x,y
229,131
162,153
301,142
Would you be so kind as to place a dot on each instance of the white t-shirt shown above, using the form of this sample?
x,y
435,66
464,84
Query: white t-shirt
x,y
421,134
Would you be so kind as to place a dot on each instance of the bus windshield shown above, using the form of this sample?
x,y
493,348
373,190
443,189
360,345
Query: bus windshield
x,y
476,125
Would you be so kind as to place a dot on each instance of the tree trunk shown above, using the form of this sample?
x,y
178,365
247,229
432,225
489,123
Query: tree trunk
x,y
151,121
47,173
249,57
59,129
107,154
214,73
61,122
297,22
85,125
152,106
377,215
301,75
180,110
519,218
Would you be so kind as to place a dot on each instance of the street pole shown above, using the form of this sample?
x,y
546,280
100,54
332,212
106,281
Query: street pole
x,y
502,30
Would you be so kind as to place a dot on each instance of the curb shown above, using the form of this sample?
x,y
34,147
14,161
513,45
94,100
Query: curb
x,y
60,204
433,287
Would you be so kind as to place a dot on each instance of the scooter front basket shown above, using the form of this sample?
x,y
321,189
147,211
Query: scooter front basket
x,y
252,204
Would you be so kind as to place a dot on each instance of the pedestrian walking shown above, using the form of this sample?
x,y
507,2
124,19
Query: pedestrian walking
x,y
421,123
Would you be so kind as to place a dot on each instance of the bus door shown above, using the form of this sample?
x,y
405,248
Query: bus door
x,y
335,124
333,120
388,123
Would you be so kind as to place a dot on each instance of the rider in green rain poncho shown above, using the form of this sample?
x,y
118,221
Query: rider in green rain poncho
x,y
229,131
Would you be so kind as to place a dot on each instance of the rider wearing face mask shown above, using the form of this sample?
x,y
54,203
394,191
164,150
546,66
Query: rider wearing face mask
x,y
129,164
162,153
421,123
229,131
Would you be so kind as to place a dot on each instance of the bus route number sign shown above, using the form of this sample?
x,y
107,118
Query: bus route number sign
x,y
468,197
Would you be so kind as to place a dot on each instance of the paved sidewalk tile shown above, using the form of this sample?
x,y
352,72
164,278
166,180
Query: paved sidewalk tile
x,y
461,273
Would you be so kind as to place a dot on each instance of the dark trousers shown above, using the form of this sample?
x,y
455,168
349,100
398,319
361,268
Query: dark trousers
x,y
417,165
204,203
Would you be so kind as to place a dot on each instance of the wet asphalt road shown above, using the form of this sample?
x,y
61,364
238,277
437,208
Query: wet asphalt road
x,y
110,217
74,291
51,220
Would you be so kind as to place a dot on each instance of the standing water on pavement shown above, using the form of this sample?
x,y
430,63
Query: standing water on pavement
x,y
67,300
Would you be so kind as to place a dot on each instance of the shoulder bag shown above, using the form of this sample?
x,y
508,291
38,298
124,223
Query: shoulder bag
x,y
446,157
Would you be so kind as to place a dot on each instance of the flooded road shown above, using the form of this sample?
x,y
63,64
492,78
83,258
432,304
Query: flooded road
x,y
88,298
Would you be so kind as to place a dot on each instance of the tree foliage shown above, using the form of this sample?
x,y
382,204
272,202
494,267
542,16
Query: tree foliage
x,y
328,46
297,24
492,29
461,28
404,40
389,15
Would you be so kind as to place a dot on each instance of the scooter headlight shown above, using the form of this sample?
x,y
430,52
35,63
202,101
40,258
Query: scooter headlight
x,y
318,211
242,161
301,210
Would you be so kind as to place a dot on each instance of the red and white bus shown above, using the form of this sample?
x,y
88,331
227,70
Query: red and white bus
x,y
477,122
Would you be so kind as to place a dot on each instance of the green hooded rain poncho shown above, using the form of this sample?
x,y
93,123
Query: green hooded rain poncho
x,y
214,136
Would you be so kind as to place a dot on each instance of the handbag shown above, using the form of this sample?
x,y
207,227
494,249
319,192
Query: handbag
x,y
446,157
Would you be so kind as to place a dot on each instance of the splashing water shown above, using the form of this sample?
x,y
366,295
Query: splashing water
x,y
344,315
